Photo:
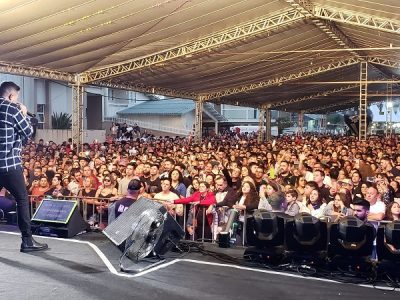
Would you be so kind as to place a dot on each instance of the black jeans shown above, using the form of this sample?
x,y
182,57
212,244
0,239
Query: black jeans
x,y
14,182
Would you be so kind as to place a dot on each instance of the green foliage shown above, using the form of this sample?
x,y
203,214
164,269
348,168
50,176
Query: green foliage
x,y
61,121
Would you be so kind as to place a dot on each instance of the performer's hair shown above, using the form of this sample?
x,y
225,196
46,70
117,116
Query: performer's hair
x,y
7,87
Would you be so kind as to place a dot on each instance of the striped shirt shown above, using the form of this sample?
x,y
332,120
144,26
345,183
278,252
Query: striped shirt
x,y
15,129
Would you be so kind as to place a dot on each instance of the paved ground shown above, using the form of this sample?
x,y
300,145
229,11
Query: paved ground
x,y
71,270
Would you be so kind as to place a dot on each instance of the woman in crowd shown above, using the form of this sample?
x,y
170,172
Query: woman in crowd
x,y
248,198
393,211
201,199
104,194
364,189
315,203
87,194
300,185
194,187
337,208
177,184
266,190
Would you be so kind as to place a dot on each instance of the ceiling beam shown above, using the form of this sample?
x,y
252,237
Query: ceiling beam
x,y
38,72
356,18
210,42
280,80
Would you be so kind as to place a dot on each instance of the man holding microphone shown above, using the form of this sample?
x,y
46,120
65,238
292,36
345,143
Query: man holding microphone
x,y
15,129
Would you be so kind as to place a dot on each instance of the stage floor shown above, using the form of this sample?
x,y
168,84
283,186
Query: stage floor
x,y
86,267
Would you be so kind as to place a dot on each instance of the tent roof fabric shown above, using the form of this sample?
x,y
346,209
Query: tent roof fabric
x,y
290,54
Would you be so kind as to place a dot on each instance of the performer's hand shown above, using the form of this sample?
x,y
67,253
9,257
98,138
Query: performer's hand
x,y
23,109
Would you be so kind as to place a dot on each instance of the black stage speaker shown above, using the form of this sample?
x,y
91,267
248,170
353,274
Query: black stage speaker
x,y
58,218
148,226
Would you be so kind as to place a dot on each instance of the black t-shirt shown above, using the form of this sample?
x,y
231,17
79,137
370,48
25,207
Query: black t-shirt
x,y
122,205
152,186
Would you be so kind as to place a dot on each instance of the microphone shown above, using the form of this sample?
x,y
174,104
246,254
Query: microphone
x,y
31,115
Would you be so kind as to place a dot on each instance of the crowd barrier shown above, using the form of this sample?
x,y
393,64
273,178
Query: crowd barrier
x,y
98,216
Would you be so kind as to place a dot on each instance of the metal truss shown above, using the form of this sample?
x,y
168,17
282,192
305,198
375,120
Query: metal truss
x,y
261,125
38,72
384,62
302,6
198,122
313,96
280,80
77,116
329,107
260,25
355,18
362,115
145,89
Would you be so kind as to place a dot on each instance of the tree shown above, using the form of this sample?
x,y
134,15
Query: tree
x,y
61,121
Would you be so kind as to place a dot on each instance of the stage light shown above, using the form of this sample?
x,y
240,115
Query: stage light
x,y
388,242
351,243
265,236
306,239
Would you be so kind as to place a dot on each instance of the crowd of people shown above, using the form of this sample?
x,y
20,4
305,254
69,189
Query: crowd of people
x,y
326,176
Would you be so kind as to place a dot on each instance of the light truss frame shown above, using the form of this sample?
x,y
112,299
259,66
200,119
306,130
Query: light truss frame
x,y
38,72
233,34
145,89
355,18
328,106
313,96
280,80
384,62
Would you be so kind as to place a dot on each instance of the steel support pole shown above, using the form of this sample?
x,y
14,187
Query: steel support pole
x,y
389,110
300,122
198,123
261,125
77,116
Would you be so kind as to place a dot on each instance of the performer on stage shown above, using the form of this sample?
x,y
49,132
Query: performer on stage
x,y
15,130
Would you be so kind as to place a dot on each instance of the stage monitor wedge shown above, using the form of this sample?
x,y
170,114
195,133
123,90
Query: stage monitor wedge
x,y
58,218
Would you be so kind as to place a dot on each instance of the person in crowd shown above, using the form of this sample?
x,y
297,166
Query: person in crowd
x,y
133,192
177,184
315,203
56,189
88,194
292,206
38,190
248,198
124,182
201,200
104,194
377,207
338,208
361,209
168,197
393,212
153,183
